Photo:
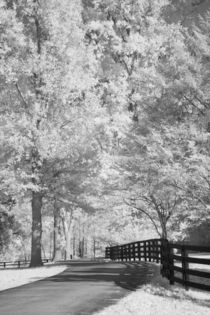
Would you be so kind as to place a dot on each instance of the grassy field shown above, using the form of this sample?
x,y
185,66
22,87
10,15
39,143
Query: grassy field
x,y
10,278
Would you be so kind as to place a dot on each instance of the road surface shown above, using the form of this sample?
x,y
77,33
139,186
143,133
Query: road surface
x,y
82,289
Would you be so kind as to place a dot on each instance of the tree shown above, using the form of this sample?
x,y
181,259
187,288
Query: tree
x,y
105,99
49,83
164,76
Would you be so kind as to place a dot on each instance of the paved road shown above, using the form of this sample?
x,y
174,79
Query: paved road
x,y
82,289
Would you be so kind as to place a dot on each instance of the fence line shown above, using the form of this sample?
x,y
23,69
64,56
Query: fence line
x,y
169,255
20,263
149,250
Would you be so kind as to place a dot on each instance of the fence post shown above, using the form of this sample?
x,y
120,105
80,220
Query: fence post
x,y
149,250
4,264
171,264
159,242
145,251
161,251
153,251
118,253
111,253
129,252
115,252
185,266
126,252
164,258
121,253
156,252
107,252
139,251
18,264
167,261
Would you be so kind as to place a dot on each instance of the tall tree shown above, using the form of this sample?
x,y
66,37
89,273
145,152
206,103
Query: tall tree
x,y
48,76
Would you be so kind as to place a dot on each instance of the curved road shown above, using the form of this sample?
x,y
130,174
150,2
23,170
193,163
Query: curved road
x,y
82,289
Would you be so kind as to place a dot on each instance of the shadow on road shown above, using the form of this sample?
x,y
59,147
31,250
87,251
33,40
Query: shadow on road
x,y
82,289
128,276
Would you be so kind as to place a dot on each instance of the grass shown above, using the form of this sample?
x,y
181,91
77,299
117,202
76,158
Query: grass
x,y
10,278
159,298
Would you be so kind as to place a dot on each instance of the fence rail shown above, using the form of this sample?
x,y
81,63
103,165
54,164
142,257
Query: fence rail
x,y
180,266
19,263
177,265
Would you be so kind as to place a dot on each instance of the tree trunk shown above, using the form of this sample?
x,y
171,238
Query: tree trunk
x,y
164,228
68,245
56,236
67,222
36,259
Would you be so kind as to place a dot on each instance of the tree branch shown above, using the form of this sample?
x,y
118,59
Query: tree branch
x,y
206,105
190,192
21,96
193,104
66,123
147,214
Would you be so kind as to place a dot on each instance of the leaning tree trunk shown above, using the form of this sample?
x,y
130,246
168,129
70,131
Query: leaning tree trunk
x,y
36,258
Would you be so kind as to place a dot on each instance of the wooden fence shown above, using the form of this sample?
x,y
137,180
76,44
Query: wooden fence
x,y
149,250
19,263
178,263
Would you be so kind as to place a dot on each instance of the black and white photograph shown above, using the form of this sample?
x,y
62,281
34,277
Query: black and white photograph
x,y
104,157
